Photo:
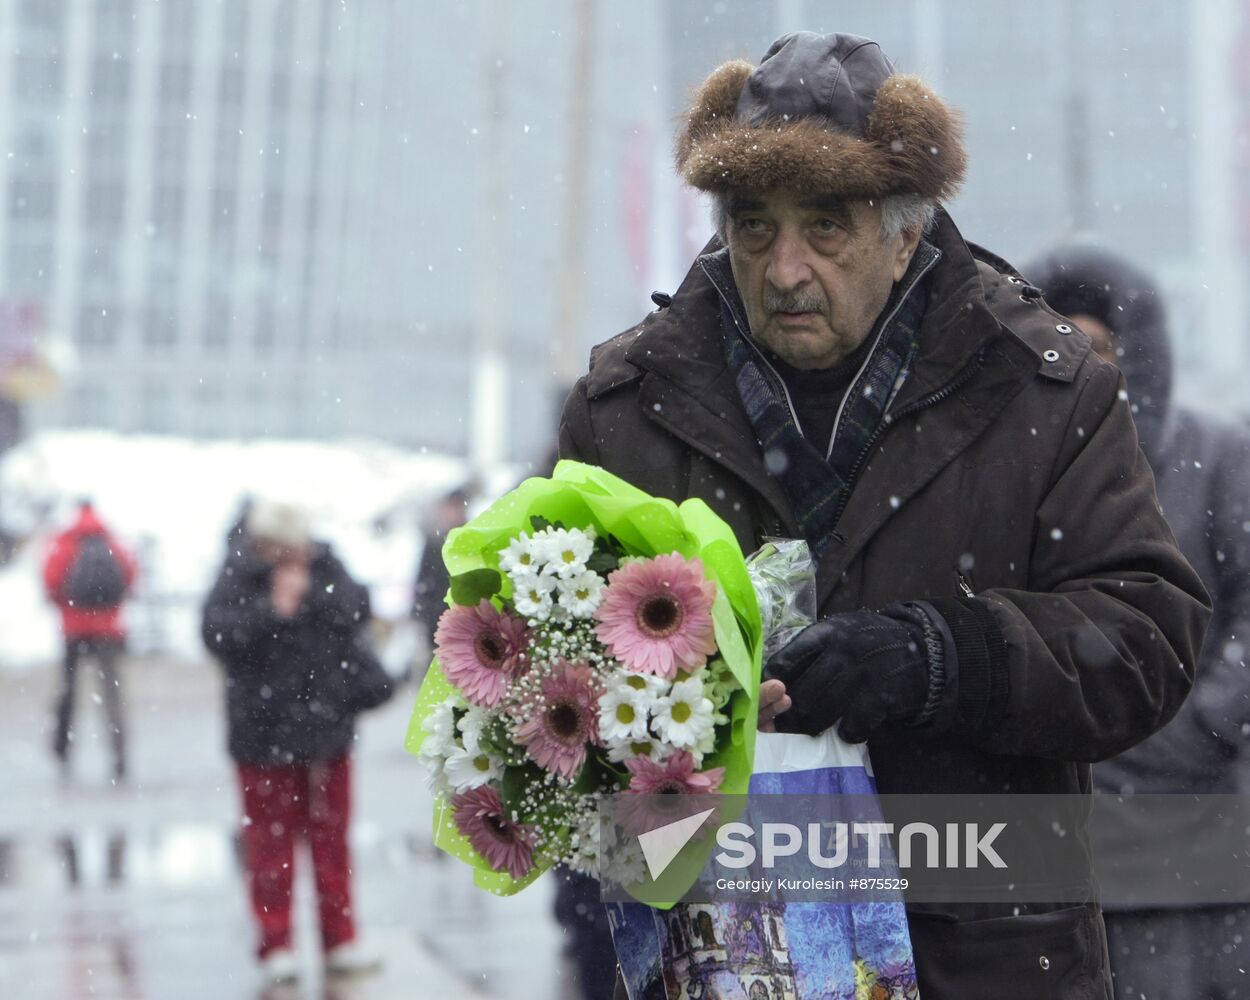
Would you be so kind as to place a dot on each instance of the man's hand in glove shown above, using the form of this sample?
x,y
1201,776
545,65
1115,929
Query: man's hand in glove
x,y
863,668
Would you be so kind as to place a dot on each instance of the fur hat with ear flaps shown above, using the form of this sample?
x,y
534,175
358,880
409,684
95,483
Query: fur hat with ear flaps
x,y
822,114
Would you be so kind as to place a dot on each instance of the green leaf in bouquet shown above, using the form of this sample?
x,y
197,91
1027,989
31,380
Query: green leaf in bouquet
x,y
617,774
494,739
540,523
513,786
477,584
602,561
587,781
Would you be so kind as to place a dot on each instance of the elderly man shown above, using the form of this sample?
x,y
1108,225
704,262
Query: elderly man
x,y
841,366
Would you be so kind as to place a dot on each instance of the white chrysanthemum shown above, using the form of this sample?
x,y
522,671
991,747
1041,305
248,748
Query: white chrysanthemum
x,y
707,743
564,551
581,593
520,556
466,769
683,717
624,864
654,686
623,714
440,729
435,765
531,595
471,725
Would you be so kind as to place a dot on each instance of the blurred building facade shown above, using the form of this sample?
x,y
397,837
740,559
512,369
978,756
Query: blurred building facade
x,y
190,195
331,217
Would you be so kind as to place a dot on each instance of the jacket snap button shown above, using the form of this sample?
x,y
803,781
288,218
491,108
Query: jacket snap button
x,y
1051,355
1044,962
1064,329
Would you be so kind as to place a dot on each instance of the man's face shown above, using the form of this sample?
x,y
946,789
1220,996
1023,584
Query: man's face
x,y
813,273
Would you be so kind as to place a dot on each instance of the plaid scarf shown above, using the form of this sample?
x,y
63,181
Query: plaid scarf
x,y
819,481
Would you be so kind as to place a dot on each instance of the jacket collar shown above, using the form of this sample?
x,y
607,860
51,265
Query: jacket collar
x,y
958,322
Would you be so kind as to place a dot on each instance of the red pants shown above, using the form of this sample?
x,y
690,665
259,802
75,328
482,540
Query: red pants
x,y
280,805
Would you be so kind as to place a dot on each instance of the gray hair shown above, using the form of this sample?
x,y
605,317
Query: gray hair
x,y
900,213
906,213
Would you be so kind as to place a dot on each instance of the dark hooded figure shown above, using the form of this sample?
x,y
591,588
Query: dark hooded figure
x,y
1202,473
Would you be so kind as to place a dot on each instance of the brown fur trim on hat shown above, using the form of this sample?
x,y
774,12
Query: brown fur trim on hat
x,y
800,156
713,106
921,136
914,145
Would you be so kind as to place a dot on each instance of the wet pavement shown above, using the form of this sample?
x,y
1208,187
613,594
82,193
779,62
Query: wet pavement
x,y
134,892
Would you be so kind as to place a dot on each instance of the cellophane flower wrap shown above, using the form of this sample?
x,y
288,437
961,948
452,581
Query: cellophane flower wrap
x,y
597,641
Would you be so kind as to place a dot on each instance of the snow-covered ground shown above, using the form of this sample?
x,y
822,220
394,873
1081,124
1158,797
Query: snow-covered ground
x,y
172,500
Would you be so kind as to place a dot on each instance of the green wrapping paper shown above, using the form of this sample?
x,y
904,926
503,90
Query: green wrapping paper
x,y
583,496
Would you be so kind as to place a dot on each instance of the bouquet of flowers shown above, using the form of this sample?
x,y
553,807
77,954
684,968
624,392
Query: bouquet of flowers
x,y
598,640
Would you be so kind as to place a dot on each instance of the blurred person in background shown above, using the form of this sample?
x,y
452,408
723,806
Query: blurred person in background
x,y
432,581
88,575
1202,474
287,621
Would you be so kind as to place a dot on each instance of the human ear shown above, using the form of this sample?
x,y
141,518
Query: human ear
x,y
904,246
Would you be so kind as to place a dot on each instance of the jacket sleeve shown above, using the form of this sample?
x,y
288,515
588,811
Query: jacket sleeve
x,y
1100,652
236,616
1221,698
577,436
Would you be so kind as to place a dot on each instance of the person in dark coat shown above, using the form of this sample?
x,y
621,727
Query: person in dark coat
x,y
1202,473
285,619
429,590
88,575
840,366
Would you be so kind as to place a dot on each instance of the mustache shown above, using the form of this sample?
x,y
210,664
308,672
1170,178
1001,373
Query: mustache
x,y
794,301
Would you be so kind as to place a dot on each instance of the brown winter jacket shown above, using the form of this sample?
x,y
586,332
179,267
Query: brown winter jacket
x,y
1009,470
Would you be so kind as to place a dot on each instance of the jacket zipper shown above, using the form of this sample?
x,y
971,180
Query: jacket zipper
x,y
837,420
935,397
964,585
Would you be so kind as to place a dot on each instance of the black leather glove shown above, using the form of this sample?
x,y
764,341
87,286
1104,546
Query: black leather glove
x,y
864,668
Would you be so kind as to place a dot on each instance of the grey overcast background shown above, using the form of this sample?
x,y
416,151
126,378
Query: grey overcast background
x,y
410,220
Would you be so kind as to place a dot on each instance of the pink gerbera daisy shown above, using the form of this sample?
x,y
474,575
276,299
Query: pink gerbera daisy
x,y
565,718
507,846
676,776
656,615
480,650
656,795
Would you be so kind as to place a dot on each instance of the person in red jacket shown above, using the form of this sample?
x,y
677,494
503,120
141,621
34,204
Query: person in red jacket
x,y
88,575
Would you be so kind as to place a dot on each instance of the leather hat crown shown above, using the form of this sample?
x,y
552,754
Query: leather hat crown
x,y
822,114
